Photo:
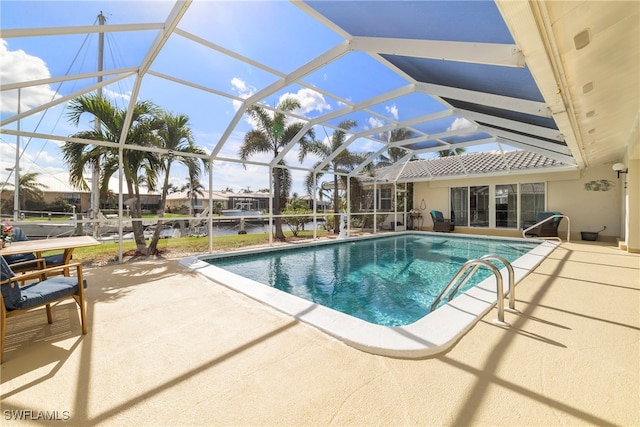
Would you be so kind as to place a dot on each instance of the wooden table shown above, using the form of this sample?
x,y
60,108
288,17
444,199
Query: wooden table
x,y
68,244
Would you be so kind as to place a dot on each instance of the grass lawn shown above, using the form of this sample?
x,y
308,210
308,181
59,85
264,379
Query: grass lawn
x,y
184,245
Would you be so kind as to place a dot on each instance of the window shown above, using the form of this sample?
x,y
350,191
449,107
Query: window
x,y
72,198
531,201
507,206
384,201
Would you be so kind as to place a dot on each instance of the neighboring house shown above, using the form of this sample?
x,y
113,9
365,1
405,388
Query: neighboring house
x,y
179,201
82,199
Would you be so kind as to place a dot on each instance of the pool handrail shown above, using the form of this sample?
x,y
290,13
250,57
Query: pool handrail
x,y
512,282
549,218
476,263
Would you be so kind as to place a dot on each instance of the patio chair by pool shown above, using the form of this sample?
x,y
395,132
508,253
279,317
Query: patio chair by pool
x,y
546,229
440,223
44,291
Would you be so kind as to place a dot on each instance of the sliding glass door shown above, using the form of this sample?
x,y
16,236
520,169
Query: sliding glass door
x,y
460,206
479,206
512,204
506,206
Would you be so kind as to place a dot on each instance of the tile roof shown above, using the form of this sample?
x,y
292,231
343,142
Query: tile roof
x,y
495,162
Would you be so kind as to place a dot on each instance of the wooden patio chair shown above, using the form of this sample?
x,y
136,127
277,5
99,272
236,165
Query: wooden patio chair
x,y
44,291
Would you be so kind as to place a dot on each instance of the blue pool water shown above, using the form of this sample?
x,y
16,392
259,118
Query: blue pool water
x,y
390,281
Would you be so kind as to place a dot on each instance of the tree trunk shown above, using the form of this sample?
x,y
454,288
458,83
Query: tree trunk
x,y
277,209
336,208
163,199
138,228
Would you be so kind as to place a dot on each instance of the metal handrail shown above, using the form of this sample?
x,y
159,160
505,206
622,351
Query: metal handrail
x,y
512,281
465,273
524,232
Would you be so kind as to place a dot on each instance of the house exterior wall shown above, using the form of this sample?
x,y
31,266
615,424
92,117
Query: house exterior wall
x,y
631,195
565,192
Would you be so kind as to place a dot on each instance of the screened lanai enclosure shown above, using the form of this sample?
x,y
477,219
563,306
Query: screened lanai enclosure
x,y
330,102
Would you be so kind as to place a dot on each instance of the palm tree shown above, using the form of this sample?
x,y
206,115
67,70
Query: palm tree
x,y
344,162
395,153
172,188
217,207
271,135
193,188
451,152
29,189
174,135
137,164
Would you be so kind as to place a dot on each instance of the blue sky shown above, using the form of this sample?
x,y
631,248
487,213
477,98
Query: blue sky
x,y
276,34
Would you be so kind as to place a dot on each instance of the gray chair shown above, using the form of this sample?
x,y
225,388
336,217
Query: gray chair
x,y
440,223
44,291
546,229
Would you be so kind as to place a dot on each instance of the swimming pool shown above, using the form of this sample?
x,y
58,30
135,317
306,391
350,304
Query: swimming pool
x,y
375,293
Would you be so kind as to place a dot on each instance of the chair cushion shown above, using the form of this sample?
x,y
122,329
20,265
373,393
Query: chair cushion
x,y
437,215
53,260
12,259
10,291
46,291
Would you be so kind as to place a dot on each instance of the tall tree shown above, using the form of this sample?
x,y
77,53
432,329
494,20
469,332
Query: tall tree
x,y
29,189
272,133
344,162
395,153
141,132
174,135
451,152
193,188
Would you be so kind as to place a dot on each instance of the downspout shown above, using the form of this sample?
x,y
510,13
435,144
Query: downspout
x,y
210,215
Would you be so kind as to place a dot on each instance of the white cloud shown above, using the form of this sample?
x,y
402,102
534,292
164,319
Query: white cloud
x,y
239,85
242,89
374,122
460,123
393,110
19,66
309,100
117,95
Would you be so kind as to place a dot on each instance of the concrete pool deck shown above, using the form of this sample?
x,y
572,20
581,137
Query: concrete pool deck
x,y
168,347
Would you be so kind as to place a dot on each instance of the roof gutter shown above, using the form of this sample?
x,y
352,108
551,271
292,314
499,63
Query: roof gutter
x,y
531,27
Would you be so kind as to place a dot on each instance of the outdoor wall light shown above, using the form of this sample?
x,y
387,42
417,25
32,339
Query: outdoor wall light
x,y
620,168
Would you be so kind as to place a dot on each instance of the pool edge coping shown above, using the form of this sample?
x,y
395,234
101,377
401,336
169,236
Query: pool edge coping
x,y
430,335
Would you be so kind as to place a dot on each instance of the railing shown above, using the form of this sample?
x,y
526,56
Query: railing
x,y
467,271
524,232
